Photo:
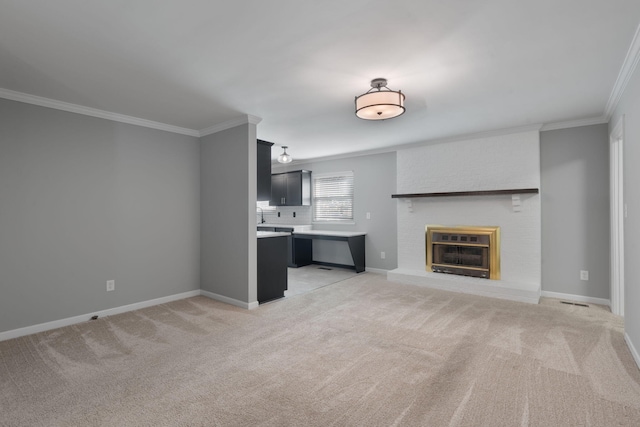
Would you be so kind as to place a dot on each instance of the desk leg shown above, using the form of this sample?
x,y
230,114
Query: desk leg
x,y
356,246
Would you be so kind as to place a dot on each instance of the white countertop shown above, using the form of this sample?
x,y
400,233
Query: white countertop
x,y
296,227
331,233
263,234
305,229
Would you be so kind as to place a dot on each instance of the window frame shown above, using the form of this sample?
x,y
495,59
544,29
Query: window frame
x,y
320,176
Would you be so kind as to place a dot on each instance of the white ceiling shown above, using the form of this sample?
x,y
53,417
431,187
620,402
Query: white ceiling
x,y
465,66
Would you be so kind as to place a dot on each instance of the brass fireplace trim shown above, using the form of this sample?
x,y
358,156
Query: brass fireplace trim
x,y
494,243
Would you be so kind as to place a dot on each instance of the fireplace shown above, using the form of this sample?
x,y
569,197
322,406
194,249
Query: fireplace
x,y
464,250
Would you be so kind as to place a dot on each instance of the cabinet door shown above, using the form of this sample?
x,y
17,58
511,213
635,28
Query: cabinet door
x,y
272,268
289,244
299,188
301,252
278,189
291,189
294,189
264,170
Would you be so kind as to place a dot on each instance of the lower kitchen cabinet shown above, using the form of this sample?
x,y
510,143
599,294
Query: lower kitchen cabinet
x,y
299,252
272,267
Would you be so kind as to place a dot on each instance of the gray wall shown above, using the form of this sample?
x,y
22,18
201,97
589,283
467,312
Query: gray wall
x,y
85,200
228,220
574,180
374,183
629,106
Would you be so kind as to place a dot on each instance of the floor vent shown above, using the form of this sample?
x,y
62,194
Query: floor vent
x,y
325,268
574,303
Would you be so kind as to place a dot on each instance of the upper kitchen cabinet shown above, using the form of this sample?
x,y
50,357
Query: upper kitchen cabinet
x,y
264,170
291,189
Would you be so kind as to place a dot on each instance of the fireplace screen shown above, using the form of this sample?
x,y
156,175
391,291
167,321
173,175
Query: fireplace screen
x,y
465,251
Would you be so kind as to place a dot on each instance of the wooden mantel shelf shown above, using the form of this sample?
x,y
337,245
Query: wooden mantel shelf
x,y
467,193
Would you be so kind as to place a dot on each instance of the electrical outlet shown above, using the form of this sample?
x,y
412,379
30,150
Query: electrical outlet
x,y
383,255
294,214
584,275
111,285
368,215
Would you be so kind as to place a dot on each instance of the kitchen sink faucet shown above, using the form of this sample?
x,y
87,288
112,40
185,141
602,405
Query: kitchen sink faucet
x,y
261,214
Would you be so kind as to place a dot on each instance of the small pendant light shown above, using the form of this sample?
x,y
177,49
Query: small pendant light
x,y
284,157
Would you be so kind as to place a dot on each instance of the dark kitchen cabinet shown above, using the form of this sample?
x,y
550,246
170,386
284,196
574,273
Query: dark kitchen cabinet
x,y
278,189
299,252
272,268
264,170
291,188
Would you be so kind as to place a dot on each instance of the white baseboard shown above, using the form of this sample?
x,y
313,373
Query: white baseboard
x,y
632,349
232,301
577,298
34,329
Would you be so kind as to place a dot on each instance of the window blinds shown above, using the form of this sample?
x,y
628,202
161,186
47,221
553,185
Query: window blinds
x,y
333,197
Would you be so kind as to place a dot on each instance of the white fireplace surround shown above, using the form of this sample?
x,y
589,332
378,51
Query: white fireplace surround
x,y
492,163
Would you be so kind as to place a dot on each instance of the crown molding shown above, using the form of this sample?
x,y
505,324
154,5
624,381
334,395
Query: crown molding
x,y
254,120
102,114
628,67
575,123
246,119
93,112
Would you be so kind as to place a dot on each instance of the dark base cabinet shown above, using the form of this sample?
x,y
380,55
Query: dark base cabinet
x,y
300,252
272,268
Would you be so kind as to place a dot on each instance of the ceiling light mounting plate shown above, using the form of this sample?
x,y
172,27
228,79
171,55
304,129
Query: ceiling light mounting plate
x,y
378,83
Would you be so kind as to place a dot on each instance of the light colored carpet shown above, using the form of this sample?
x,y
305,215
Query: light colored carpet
x,y
361,352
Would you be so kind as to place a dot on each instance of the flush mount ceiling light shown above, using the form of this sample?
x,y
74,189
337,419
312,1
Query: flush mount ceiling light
x,y
380,102
284,157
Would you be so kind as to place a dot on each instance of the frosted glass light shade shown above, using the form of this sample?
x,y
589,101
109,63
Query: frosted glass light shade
x,y
380,105
284,157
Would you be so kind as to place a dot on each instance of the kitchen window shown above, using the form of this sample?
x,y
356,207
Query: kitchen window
x,y
333,197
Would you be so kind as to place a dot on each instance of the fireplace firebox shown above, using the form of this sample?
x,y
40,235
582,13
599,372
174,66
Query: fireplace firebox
x,y
464,250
